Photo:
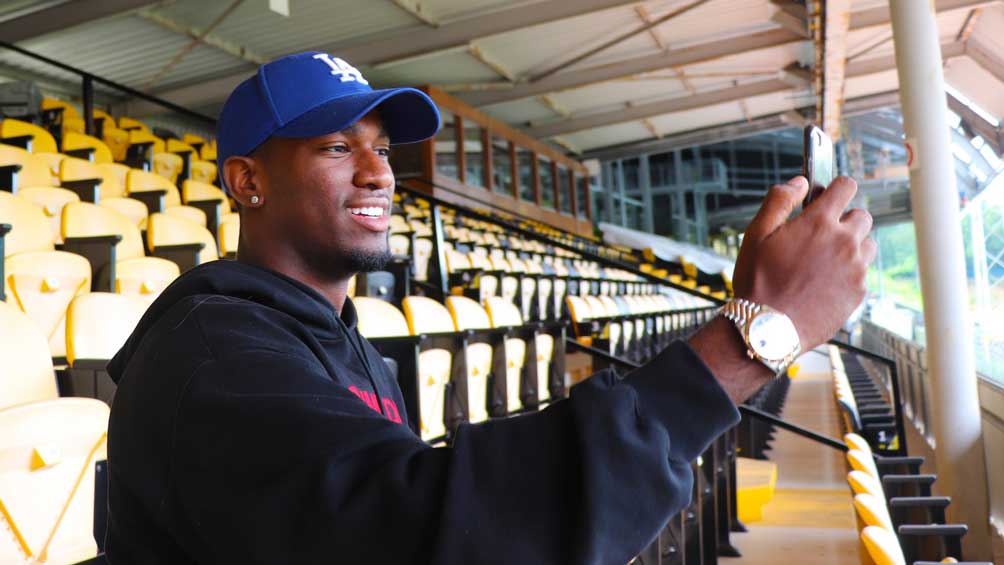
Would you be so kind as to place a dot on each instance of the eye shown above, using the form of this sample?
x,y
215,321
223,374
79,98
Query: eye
x,y
383,151
340,148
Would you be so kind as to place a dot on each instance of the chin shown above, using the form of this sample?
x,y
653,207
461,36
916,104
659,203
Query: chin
x,y
367,260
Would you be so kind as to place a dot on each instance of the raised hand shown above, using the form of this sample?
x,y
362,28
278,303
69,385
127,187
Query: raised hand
x,y
811,267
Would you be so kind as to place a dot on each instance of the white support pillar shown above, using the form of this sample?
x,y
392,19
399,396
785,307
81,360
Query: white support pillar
x,y
953,395
645,182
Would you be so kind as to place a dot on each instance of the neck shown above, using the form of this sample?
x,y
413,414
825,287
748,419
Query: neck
x,y
335,289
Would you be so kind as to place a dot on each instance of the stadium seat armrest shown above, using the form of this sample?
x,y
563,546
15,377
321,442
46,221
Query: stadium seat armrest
x,y
186,255
22,141
4,229
154,199
86,189
899,460
7,173
920,501
909,479
943,530
99,250
212,210
84,153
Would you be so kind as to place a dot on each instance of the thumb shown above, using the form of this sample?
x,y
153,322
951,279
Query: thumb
x,y
777,206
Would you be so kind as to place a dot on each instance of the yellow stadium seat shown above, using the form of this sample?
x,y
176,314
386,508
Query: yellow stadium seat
x,y
27,375
204,171
230,231
47,479
113,172
168,165
189,213
167,229
82,219
32,170
69,110
379,318
422,253
179,146
193,139
127,123
42,284
51,200
31,230
129,207
38,139
98,324
116,139
469,315
99,151
74,125
426,316
55,162
208,151
882,546
142,181
145,277
505,314
398,244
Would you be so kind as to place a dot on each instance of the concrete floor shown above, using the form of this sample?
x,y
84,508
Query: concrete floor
x,y
810,520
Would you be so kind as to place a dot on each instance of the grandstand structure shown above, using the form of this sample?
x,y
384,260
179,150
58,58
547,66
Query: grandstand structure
x,y
581,208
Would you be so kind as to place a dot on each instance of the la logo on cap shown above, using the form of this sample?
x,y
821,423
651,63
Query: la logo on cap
x,y
340,68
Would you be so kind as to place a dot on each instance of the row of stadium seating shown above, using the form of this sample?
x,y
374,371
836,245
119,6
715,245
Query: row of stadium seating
x,y
899,521
471,313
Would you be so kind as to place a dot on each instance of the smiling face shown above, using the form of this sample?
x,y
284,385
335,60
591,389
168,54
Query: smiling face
x,y
324,202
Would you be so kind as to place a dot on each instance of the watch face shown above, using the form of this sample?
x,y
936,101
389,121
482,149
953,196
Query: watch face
x,y
772,336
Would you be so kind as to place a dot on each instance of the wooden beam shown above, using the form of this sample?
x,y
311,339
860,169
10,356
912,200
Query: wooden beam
x,y
834,64
645,18
651,128
969,24
994,136
478,53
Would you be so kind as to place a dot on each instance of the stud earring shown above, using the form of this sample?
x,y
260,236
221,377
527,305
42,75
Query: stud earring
x,y
255,200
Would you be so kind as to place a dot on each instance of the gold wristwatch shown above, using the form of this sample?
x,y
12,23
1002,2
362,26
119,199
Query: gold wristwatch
x,y
770,336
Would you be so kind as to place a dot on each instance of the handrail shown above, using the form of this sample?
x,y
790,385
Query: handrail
x,y
118,86
606,261
744,409
896,397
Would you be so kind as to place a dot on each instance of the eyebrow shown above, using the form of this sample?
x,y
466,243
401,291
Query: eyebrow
x,y
353,129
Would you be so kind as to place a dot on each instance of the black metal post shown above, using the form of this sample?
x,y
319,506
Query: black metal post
x,y
87,90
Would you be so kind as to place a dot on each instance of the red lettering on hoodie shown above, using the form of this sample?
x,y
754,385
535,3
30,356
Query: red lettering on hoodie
x,y
390,410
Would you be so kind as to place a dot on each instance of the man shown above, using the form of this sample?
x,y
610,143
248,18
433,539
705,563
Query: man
x,y
238,434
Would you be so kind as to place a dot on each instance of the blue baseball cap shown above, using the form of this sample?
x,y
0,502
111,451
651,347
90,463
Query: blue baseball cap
x,y
312,94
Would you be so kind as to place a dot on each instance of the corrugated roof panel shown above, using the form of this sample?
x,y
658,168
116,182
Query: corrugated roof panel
x,y
130,50
989,28
451,10
698,118
871,84
521,112
604,96
312,24
608,135
450,67
975,83
768,104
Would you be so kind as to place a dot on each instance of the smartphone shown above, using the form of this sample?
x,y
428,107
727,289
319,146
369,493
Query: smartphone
x,y
817,162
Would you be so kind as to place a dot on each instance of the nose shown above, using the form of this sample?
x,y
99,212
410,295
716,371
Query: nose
x,y
373,171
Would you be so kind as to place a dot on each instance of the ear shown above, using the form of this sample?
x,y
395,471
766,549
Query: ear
x,y
241,177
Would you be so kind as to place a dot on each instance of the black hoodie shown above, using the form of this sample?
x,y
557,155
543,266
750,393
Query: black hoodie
x,y
245,429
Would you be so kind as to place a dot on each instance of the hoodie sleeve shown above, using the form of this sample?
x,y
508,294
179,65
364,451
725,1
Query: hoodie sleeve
x,y
275,463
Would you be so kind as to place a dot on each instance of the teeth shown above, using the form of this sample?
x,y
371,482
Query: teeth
x,y
372,211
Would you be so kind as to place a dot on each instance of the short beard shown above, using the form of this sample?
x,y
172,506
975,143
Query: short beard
x,y
360,261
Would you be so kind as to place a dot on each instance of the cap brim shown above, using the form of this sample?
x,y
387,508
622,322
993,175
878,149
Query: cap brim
x,y
408,115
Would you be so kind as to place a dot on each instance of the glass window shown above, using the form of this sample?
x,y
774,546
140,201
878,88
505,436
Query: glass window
x,y
501,166
546,182
581,194
473,157
446,146
564,192
524,158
